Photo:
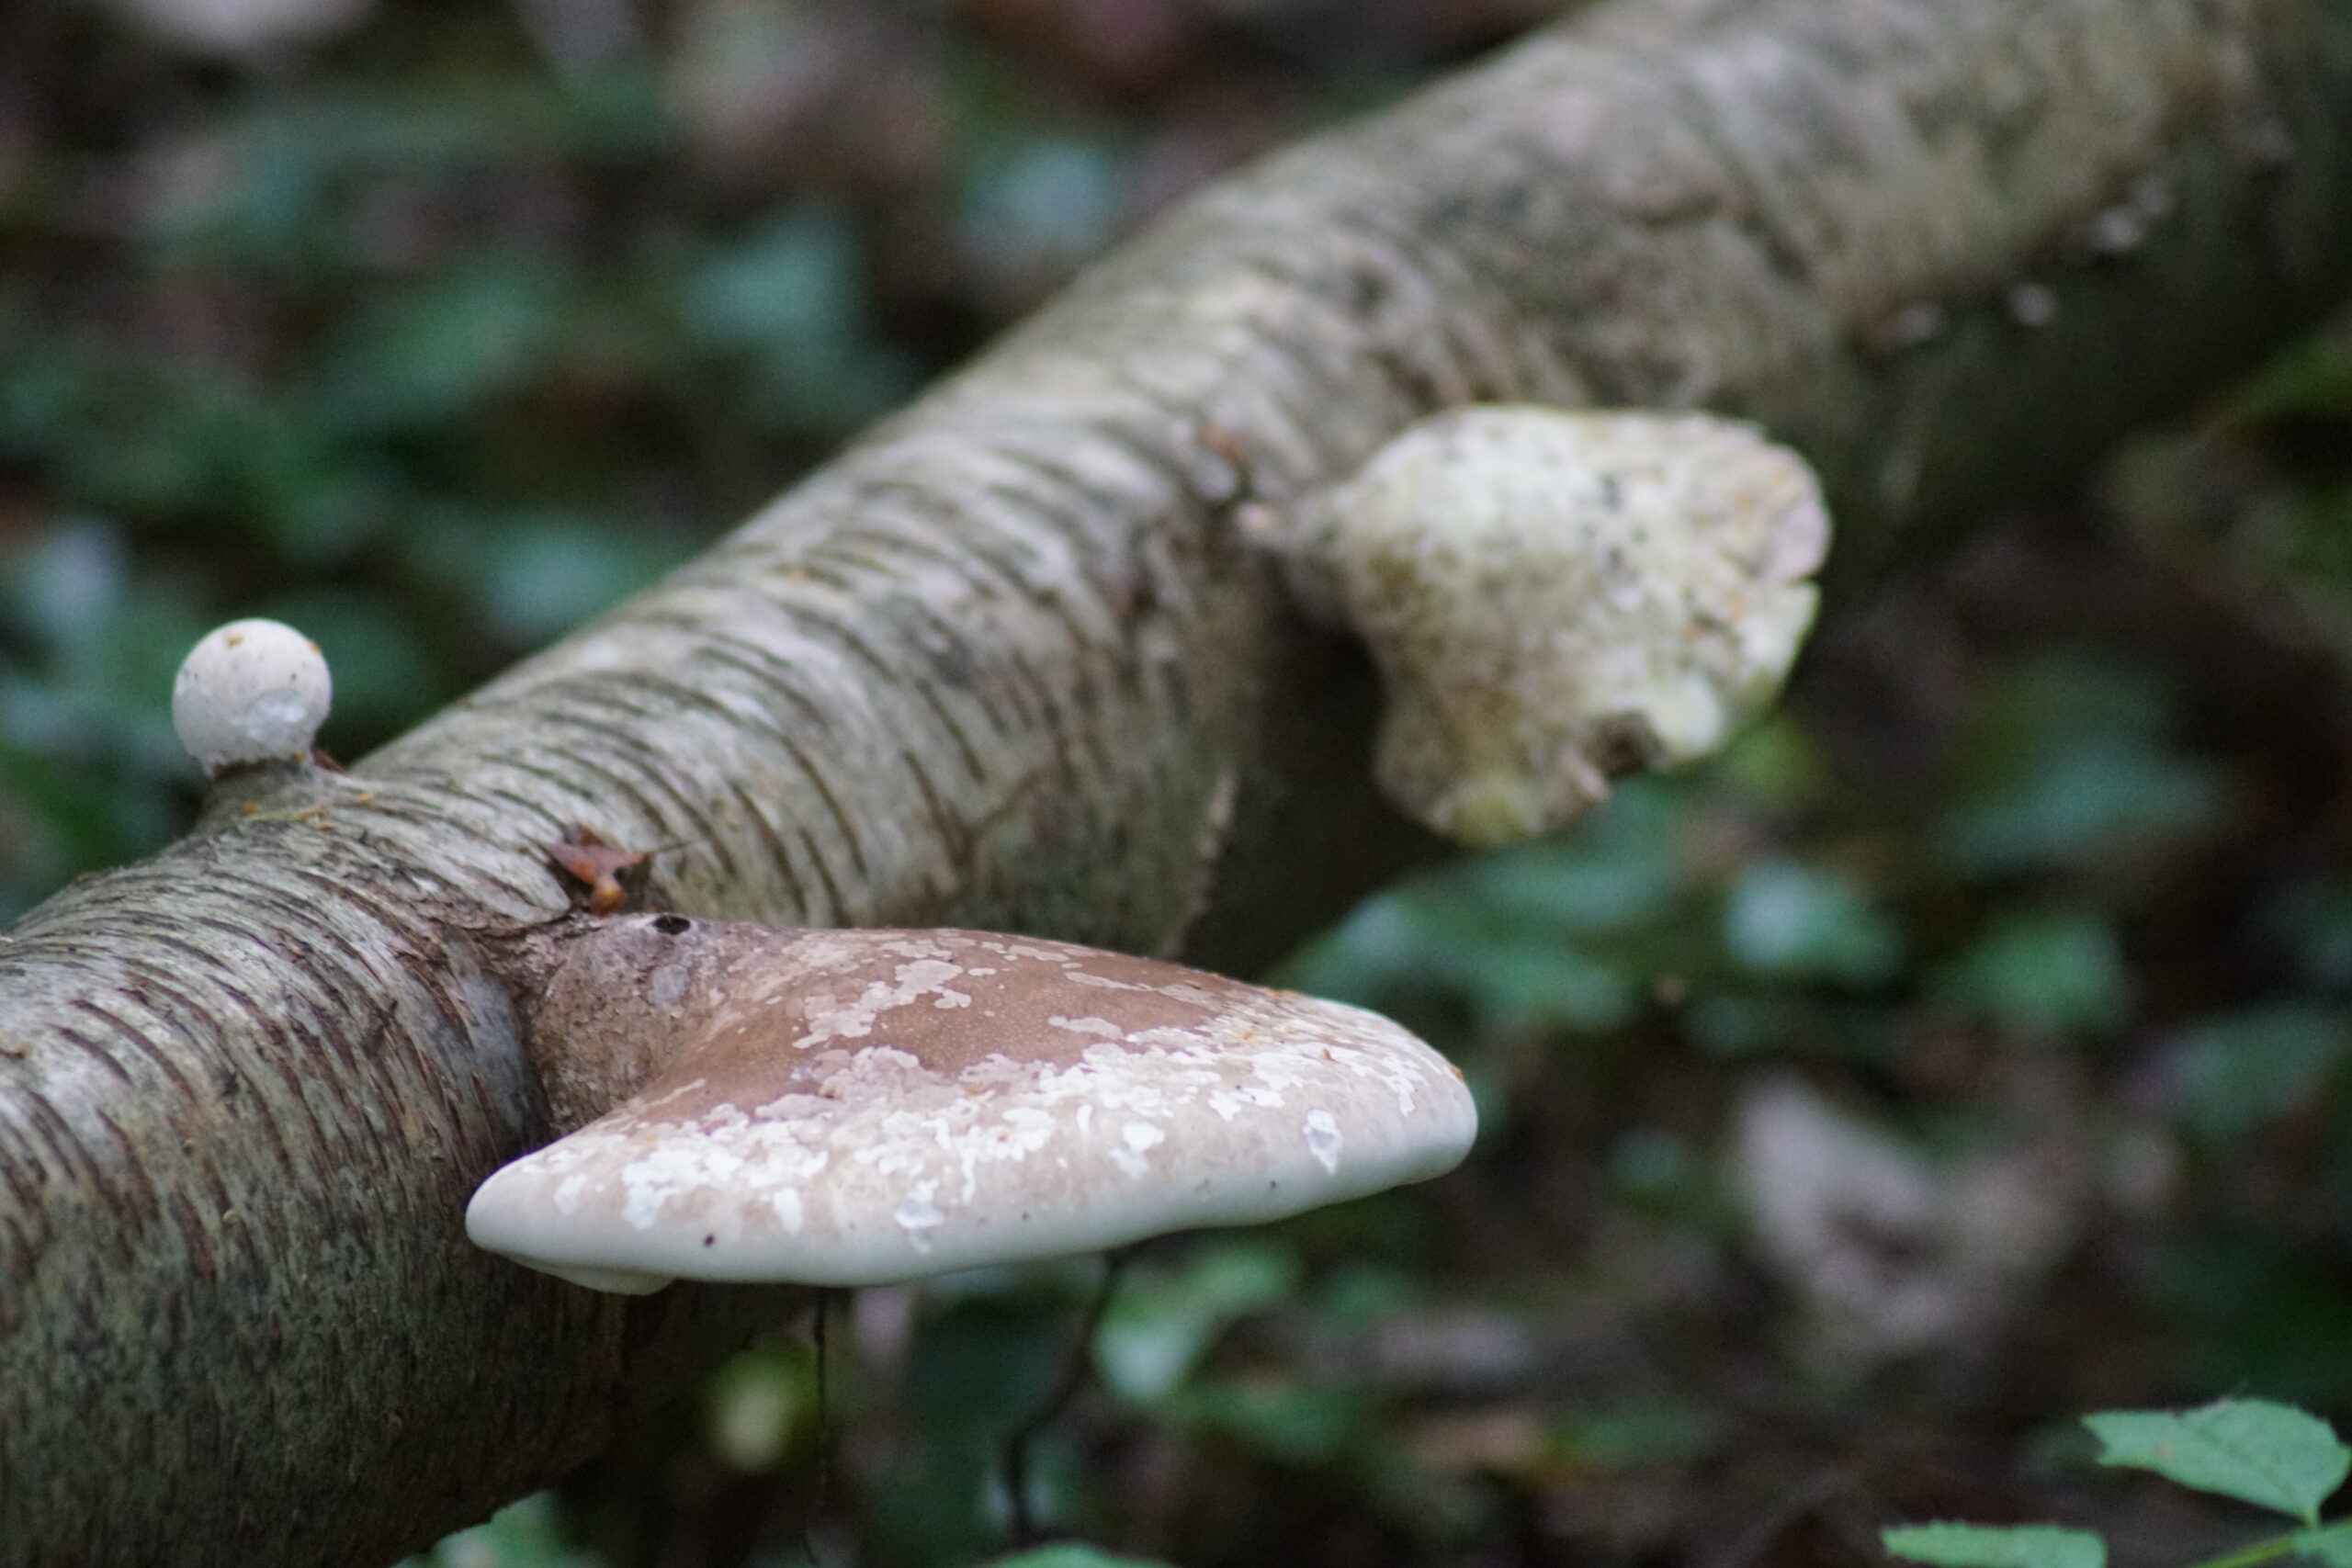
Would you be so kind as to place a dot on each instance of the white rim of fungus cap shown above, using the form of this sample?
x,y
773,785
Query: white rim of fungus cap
x,y
900,1104
254,691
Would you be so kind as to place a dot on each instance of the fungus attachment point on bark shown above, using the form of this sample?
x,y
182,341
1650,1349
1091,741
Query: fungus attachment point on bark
x,y
863,1107
1555,599
253,691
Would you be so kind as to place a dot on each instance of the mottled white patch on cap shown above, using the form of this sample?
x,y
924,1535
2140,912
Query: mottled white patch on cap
x,y
920,976
916,1215
1324,1140
1136,1139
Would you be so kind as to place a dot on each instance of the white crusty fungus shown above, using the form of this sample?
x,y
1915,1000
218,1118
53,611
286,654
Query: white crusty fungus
x,y
253,691
1553,599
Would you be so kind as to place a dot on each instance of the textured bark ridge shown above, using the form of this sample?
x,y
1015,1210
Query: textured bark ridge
x,y
1006,664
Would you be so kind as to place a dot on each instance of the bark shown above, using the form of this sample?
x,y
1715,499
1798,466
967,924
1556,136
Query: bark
x,y
1006,664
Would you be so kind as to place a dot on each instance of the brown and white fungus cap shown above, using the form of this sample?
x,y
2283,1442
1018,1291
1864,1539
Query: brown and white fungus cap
x,y
862,1107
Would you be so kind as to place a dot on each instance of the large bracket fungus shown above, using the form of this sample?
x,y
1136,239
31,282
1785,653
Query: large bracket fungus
x,y
1554,599
862,1107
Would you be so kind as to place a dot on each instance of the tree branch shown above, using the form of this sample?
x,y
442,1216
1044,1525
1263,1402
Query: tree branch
x,y
1007,662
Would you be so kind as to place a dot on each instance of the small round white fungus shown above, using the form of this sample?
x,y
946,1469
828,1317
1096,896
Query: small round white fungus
x,y
253,691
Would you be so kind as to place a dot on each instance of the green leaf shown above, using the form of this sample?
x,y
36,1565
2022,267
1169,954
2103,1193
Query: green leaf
x,y
1162,1322
795,286
543,573
2042,972
388,668
528,1534
444,346
979,1364
1442,939
2241,1073
1625,1436
790,299
1619,869
1072,1555
1298,1424
1046,203
2331,1544
2312,380
2271,1455
1530,984
2317,921
1804,923
1996,1546
2068,762
758,1407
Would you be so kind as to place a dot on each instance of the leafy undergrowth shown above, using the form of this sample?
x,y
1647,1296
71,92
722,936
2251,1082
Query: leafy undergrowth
x,y
2273,1456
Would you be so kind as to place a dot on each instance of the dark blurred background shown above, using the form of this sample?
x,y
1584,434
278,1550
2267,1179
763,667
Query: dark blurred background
x,y
1965,1050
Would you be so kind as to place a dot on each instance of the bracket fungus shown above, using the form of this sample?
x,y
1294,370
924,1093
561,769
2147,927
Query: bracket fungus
x,y
864,1107
253,691
1553,599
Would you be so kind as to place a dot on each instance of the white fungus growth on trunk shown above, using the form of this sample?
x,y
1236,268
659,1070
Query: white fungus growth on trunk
x,y
253,691
1554,599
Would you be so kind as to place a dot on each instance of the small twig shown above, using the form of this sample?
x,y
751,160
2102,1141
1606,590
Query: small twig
x,y
822,1484
1076,1368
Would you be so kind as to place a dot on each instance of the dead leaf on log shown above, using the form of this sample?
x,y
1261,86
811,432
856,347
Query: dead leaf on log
x,y
614,877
